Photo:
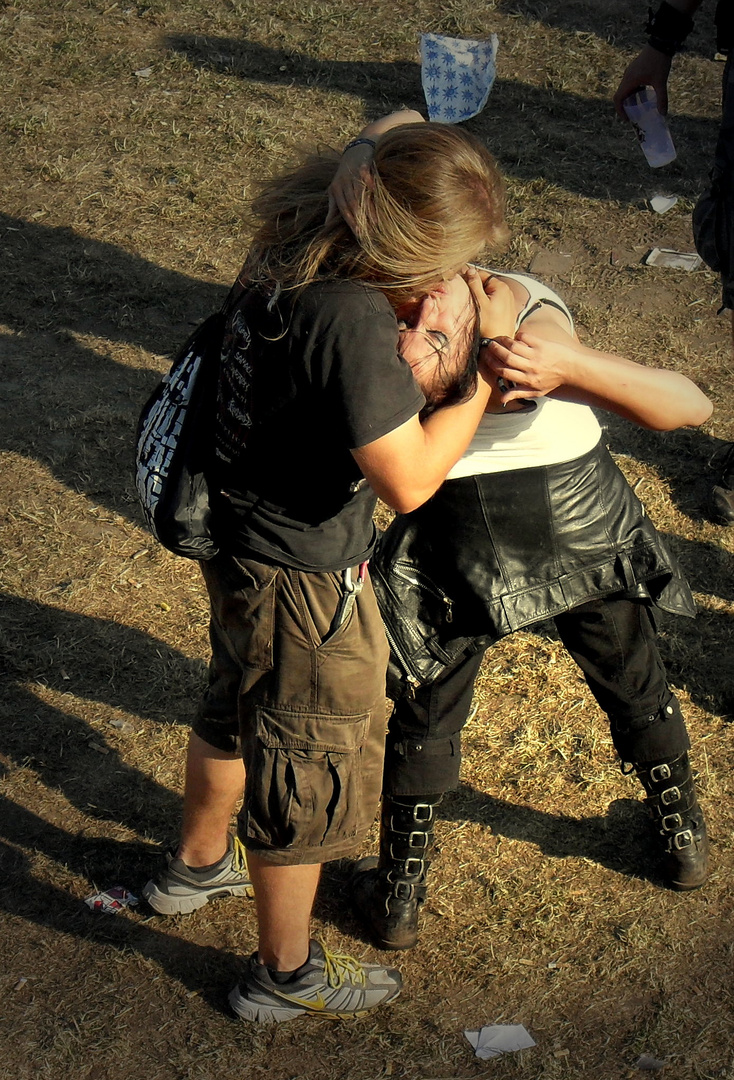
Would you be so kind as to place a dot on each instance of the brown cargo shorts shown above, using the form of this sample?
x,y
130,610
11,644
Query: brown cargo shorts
x,y
304,704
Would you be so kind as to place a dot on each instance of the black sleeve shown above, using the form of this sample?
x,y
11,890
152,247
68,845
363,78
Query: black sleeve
x,y
355,352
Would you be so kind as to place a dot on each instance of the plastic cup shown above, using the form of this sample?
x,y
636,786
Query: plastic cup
x,y
650,126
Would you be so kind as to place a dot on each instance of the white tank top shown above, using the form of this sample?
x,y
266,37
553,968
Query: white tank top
x,y
552,432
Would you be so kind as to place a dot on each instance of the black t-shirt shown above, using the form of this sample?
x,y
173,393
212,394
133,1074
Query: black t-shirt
x,y
306,377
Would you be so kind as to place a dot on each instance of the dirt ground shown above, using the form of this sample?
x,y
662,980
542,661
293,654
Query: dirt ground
x,y
131,135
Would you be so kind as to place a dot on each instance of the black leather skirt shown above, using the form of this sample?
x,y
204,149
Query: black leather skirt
x,y
495,553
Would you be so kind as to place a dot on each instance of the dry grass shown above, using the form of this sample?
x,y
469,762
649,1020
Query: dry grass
x,y
124,220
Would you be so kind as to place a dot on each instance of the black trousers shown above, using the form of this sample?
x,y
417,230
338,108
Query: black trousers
x,y
613,640
713,216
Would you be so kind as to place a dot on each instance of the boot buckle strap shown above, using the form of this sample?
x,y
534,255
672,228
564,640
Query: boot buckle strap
x,y
410,868
413,867
671,822
400,851
670,795
682,839
418,839
403,890
660,772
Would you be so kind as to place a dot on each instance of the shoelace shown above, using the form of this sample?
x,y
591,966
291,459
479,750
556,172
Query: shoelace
x,y
239,856
340,966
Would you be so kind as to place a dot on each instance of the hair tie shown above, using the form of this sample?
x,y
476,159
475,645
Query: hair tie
x,y
359,142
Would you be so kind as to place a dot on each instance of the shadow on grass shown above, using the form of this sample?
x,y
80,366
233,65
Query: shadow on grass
x,y
616,21
203,969
543,133
687,459
623,841
67,404
95,660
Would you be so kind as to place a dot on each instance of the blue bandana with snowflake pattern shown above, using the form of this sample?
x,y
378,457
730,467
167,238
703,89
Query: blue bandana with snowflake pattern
x,y
457,75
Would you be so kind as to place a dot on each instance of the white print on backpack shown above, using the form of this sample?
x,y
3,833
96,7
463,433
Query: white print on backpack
x,y
159,435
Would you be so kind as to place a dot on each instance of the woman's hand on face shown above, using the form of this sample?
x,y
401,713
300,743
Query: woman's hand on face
x,y
495,303
352,180
535,366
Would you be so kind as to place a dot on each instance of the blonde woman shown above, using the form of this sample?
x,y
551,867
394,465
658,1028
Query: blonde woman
x,y
317,415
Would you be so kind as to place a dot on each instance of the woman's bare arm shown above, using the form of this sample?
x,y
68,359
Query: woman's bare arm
x,y
409,464
544,359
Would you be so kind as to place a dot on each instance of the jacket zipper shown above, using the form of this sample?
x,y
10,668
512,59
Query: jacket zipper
x,y
411,678
422,581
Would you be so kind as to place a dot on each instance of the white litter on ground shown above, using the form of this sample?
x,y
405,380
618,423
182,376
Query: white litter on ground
x,y
497,1039
675,260
662,203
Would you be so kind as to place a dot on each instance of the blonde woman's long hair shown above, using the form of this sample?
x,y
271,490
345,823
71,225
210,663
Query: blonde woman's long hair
x,y
437,202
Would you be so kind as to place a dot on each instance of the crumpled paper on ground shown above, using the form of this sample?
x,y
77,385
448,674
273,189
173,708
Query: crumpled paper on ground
x,y
111,901
676,260
662,203
646,1061
457,75
497,1039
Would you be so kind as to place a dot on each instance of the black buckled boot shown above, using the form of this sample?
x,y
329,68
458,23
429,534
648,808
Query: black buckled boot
x,y
671,799
721,496
387,897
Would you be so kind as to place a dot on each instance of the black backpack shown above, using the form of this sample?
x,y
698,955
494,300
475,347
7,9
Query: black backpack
x,y
174,445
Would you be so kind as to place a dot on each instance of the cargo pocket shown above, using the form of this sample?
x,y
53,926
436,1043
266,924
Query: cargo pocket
x,y
242,596
304,785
